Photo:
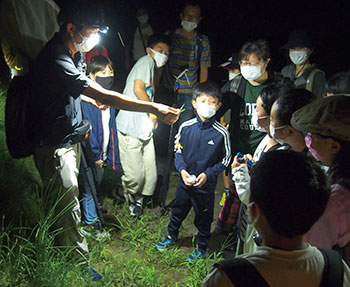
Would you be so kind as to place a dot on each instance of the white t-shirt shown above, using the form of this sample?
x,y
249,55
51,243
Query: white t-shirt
x,y
281,268
139,47
138,124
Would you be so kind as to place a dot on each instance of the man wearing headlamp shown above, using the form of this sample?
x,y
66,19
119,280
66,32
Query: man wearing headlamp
x,y
59,80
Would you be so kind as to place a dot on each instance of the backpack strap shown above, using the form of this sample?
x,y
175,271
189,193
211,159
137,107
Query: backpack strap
x,y
239,270
344,252
198,49
333,271
311,77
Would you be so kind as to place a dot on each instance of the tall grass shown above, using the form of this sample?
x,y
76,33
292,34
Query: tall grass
x,y
29,256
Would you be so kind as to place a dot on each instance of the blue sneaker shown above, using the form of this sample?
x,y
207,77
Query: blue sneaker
x,y
196,255
166,243
92,273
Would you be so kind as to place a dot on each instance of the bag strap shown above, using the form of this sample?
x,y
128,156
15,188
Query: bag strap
x,y
142,38
311,77
198,47
333,271
239,269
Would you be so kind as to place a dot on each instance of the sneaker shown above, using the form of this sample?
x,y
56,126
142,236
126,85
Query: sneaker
x,y
196,255
93,231
166,243
92,273
135,210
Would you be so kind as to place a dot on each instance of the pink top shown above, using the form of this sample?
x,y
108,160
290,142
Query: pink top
x,y
333,228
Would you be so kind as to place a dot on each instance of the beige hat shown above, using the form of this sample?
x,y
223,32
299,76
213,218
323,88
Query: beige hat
x,y
328,116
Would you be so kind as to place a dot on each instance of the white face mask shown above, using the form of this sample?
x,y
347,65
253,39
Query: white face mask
x,y
231,76
160,58
251,73
88,43
255,122
206,111
298,57
273,133
188,26
143,19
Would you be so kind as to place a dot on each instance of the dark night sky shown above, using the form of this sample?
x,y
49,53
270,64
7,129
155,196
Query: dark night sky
x,y
229,23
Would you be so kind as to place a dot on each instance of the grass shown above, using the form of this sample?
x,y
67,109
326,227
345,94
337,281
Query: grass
x,y
29,256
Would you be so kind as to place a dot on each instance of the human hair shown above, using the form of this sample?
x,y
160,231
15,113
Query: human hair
x,y
258,47
157,38
291,189
339,83
209,88
81,13
339,171
270,93
98,64
291,100
194,3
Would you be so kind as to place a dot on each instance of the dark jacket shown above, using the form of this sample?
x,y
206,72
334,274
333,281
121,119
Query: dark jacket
x,y
94,116
203,147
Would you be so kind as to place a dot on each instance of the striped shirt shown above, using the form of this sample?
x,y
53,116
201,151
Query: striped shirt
x,y
191,54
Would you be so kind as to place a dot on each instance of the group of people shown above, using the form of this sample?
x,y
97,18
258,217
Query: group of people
x,y
294,138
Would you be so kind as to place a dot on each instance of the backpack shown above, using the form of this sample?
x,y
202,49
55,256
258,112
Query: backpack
x,y
19,137
239,269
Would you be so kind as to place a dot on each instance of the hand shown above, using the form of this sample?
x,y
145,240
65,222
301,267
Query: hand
x,y
101,106
93,102
184,175
99,163
236,163
200,180
166,114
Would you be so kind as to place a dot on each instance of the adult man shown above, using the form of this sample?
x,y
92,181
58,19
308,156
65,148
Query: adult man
x,y
190,58
56,119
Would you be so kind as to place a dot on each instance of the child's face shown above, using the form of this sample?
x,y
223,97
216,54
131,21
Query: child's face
x,y
206,106
107,72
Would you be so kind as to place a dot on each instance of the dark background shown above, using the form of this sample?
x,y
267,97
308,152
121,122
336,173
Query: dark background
x,y
229,23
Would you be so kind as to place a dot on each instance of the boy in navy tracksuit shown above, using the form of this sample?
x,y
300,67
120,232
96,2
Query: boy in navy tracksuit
x,y
103,140
203,152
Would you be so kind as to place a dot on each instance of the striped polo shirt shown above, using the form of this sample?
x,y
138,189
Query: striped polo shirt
x,y
188,54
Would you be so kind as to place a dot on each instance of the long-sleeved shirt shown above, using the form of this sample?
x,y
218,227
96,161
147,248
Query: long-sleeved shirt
x,y
203,147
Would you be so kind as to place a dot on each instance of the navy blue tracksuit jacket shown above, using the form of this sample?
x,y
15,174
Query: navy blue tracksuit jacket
x,y
202,147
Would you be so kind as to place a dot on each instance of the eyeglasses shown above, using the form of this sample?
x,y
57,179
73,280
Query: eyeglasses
x,y
247,63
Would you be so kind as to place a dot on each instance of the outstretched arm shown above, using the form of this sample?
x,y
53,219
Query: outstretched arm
x,y
165,113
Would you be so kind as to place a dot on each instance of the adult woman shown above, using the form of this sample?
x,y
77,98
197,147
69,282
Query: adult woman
x,y
301,71
326,124
254,58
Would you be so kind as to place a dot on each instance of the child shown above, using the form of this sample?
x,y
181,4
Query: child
x,y
103,139
289,193
203,152
135,134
